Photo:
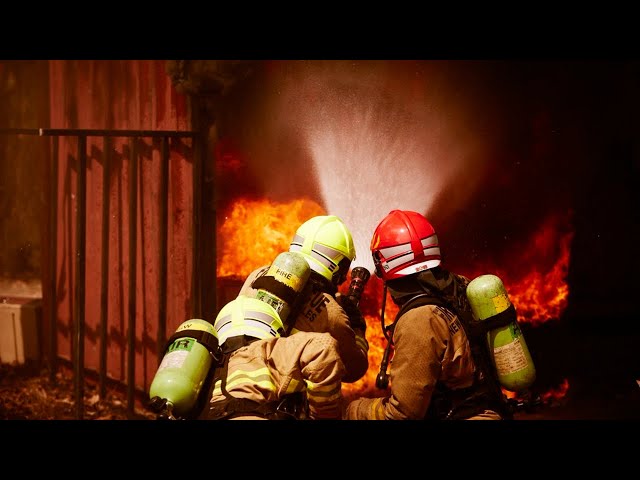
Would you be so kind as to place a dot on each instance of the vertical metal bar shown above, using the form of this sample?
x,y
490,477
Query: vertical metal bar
x,y
164,200
197,201
81,205
212,280
53,261
133,239
104,280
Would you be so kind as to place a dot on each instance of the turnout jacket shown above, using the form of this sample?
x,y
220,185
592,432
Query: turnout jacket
x,y
267,371
323,312
430,349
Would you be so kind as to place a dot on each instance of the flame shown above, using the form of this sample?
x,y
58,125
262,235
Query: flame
x,y
536,283
556,393
255,231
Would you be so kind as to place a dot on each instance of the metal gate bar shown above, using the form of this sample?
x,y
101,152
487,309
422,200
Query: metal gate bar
x,y
78,320
53,261
104,269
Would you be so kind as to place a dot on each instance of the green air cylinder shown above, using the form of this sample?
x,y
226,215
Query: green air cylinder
x,y
511,357
185,366
281,285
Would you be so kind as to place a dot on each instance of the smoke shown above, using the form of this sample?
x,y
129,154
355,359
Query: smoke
x,y
363,138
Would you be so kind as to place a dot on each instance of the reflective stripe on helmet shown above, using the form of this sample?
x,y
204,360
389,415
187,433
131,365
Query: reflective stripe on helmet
x,y
323,254
247,316
222,321
431,241
403,254
255,324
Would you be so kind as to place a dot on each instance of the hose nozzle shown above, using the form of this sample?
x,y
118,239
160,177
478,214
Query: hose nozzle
x,y
359,278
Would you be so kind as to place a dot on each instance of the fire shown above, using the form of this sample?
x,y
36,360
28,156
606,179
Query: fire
x,y
256,231
556,393
536,284
542,296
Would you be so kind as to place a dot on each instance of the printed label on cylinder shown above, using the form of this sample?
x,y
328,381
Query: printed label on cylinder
x,y
283,276
501,303
510,358
174,359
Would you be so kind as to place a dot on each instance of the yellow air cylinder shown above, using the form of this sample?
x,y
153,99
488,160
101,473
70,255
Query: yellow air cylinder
x,y
510,354
281,285
185,366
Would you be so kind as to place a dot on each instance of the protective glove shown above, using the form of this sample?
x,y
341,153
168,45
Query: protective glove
x,y
353,312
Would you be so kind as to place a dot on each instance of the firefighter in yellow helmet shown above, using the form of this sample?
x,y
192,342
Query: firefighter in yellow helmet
x,y
264,374
434,373
327,245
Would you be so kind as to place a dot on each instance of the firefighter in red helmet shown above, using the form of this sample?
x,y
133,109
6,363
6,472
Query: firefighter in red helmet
x,y
434,373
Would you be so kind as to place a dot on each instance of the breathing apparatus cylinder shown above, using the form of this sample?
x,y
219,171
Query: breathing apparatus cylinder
x,y
490,303
189,355
281,285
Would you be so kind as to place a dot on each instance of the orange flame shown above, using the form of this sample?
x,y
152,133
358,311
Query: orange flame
x,y
537,284
256,231
556,393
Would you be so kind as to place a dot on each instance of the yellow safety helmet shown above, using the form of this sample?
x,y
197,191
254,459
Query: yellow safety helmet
x,y
248,316
326,244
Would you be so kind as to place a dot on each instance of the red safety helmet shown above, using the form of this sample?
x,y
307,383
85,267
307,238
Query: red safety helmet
x,y
404,243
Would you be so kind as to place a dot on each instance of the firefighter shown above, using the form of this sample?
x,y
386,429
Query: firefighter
x,y
267,376
435,372
327,245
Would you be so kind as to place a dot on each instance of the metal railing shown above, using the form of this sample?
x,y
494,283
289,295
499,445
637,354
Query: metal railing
x,y
78,323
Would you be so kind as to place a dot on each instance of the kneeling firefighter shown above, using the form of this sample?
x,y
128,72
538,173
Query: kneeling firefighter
x,y
441,370
268,376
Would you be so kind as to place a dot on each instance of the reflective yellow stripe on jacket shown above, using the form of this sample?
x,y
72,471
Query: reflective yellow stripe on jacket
x,y
324,399
260,377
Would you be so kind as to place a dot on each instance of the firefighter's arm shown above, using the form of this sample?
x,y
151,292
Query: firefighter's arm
x,y
352,343
353,312
415,368
322,371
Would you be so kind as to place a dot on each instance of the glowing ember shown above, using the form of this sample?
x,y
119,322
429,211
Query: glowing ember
x,y
556,393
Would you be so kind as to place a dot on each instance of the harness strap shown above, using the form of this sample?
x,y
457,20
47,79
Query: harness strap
x,y
283,409
232,344
279,289
208,340
502,319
